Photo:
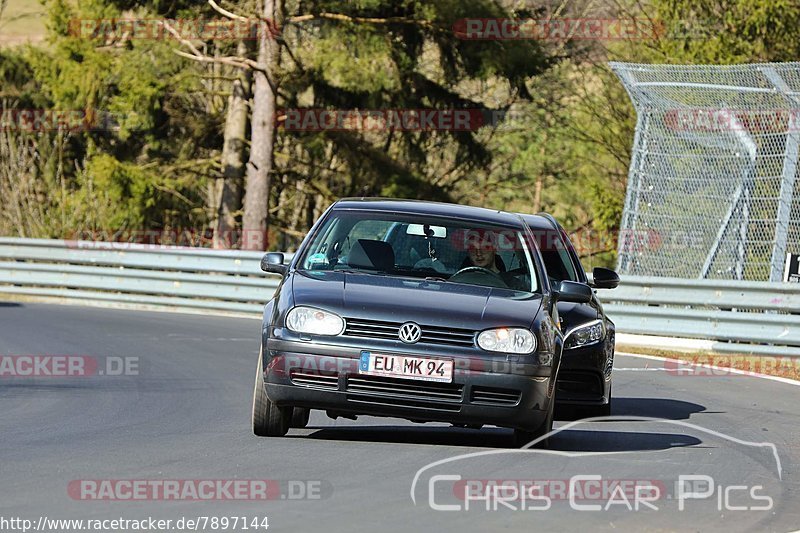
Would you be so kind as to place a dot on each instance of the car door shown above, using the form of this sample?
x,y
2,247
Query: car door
x,y
579,271
560,267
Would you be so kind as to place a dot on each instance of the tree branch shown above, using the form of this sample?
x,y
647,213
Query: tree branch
x,y
180,39
362,20
225,12
238,62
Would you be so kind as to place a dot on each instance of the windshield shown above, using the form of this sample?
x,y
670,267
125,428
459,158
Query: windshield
x,y
444,249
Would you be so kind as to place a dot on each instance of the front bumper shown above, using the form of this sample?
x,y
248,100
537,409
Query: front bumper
x,y
484,391
585,376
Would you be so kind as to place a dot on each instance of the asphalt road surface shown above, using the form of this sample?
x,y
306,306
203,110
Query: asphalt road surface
x,y
182,414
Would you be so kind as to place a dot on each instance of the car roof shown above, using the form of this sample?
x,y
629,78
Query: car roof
x,y
540,221
421,207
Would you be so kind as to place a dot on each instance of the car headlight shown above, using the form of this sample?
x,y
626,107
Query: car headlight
x,y
585,334
314,321
507,340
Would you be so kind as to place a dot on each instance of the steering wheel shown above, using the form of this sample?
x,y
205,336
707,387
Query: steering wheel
x,y
475,269
481,270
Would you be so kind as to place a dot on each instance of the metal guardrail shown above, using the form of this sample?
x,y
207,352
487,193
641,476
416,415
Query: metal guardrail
x,y
741,316
136,274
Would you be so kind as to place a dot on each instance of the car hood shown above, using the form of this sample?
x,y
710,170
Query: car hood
x,y
394,299
573,315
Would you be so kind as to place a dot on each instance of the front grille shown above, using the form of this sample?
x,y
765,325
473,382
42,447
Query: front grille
x,y
376,329
405,393
317,381
491,396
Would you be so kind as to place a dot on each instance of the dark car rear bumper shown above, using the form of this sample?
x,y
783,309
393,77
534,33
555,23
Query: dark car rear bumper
x,y
513,395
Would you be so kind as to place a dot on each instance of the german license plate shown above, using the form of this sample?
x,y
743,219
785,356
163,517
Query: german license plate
x,y
405,366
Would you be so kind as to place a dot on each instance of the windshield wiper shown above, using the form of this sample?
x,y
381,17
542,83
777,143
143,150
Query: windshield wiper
x,y
356,271
380,273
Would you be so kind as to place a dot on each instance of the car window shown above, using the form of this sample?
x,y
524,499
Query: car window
x,y
576,262
366,229
557,260
446,249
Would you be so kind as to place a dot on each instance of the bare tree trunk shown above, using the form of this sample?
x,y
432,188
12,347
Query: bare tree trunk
x,y
256,201
230,188
537,195
299,203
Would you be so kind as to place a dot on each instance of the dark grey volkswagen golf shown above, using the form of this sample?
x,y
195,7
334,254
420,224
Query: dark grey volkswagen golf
x,y
418,310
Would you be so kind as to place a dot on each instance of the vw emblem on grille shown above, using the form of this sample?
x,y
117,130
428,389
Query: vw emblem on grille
x,y
410,333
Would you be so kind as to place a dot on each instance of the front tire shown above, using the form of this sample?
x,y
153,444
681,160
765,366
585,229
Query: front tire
x,y
300,417
269,420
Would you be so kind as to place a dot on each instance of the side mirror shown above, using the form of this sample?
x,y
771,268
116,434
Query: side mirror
x,y
604,278
572,291
273,262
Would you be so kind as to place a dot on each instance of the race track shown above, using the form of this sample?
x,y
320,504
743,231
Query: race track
x,y
186,416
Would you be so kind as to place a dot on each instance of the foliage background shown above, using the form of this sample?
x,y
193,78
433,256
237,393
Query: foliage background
x,y
564,147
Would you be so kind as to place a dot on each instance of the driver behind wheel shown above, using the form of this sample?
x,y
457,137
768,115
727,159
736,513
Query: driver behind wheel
x,y
482,251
